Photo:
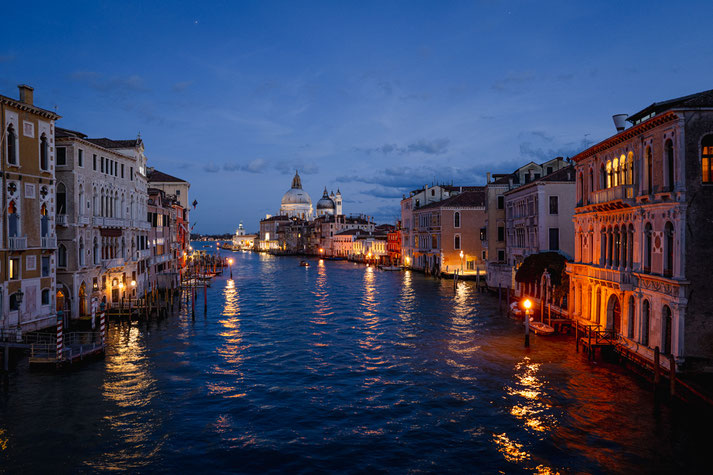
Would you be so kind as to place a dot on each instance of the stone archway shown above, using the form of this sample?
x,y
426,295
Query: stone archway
x,y
614,314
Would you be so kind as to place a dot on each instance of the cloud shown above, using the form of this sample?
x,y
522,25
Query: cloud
x,y
289,166
381,191
211,167
513,80
429,147
118,85
540,146
258,165
181,86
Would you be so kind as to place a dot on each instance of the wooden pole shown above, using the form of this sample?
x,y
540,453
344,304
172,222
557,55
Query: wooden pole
x,y
527,328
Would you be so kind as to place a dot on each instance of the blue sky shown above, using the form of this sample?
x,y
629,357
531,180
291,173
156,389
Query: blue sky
x,y
374,98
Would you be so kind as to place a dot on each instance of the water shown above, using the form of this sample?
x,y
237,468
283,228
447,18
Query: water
x,y
337,367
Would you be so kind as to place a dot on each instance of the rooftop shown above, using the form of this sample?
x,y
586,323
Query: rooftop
x,y
112,144
155,176
467,199
699,99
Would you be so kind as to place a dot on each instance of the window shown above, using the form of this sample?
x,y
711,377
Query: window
x,y
45,153
501,233
630,322
456,219
549,170
649,171
102,164
668,250
554,205
456,241
13,219
14,303
501,255
95,162
45,266
45,296
433,192
501,202
554,239
645,317
61,199
483,235
669,177
11,139
81,251
80,157
131,173
61,256
666,329
178,192
61,156
31,263
122,170
14,269
647,247
707,159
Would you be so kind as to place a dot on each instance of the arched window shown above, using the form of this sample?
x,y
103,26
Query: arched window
x,y
13,220
668,250
591,180
645,317
61,199
44,221
81,251
603,247
61,256
456,241
631,324
617,247
630,168
11,139
44,153
96,251
615,172
14,303
707,159
669,174
602,177
666,329
81,200
622,170
456,219
609,175
647,247
649,171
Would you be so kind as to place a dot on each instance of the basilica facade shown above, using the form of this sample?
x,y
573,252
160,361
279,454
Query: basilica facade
x,y
296,203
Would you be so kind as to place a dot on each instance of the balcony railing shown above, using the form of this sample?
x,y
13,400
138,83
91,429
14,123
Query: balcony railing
x,y
61,219
623,193
145,253
111,263
49,242
98,221
17,243
85,220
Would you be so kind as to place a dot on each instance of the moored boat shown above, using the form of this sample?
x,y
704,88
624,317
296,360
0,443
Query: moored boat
x,y
541,328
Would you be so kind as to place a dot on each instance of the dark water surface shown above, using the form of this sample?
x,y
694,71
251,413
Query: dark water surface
x,y
337,367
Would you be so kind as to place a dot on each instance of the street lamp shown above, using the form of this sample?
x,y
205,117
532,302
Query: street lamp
x,y
133,284
528,305
230,263
461,262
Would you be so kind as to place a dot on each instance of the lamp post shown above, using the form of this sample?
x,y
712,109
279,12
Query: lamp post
x,y
461,262
527,304
133,285
230,263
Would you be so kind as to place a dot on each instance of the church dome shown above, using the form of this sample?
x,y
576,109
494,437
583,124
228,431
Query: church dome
x,y
296,195
325,202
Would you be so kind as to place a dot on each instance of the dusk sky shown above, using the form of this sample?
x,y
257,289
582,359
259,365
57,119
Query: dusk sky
x,y
374,98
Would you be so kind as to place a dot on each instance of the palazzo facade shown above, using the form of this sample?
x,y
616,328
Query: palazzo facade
x,y
642,232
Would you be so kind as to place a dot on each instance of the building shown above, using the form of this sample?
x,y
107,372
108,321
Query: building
x,y
415,200
296,202
164,271
28,165
101,220
538,218
243,241
177,190
393,245
493,233
642,225
326,227
446,234
268,232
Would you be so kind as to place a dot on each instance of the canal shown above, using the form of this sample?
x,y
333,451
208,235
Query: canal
x,y
338,367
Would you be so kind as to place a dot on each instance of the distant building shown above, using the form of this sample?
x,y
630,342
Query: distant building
x,y
642,232
243,241
393,245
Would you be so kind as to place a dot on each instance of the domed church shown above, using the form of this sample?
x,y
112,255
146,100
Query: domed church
x,y
296,203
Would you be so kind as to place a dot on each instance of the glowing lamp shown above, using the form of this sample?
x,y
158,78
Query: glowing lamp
x,y
133,283
527,304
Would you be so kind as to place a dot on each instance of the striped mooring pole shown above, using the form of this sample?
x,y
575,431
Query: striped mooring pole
x,y
102,327
60,334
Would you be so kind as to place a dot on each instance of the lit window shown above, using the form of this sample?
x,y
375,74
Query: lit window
x,y
707,159
14,268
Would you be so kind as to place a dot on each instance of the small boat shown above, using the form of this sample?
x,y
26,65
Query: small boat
x,y
515,309
541,328
304,264
390,268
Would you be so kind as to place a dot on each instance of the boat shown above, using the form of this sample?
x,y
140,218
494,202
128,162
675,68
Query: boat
x,y
390,268
515,309
304,263
541,328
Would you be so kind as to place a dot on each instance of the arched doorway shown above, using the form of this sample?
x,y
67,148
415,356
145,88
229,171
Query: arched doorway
x,y
83,300
614,314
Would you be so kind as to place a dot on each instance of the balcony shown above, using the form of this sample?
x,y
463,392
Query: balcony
x,y
622,277
98,221
140,224
85,220
49,242
61,219
612,198
17,243
112,263
144,254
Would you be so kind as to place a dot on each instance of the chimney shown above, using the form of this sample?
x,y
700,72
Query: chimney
x,y
25,93
488,174
620,121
